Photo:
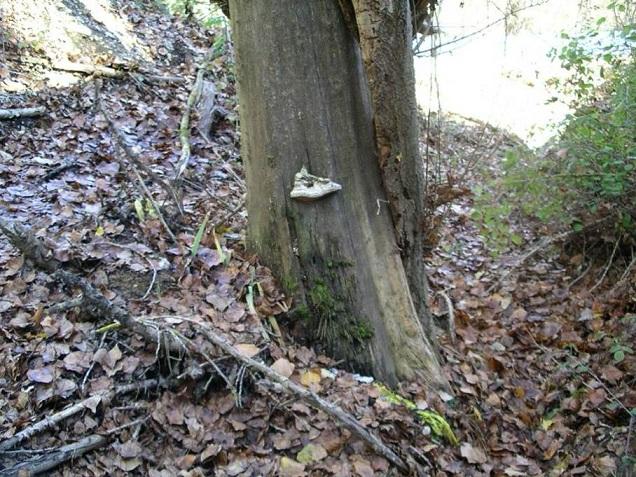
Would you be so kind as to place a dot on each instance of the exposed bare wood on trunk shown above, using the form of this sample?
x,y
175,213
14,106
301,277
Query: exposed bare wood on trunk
x,y
385,32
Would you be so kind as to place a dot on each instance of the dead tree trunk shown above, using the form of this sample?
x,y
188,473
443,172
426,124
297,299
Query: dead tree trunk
x,y
385,34
305,102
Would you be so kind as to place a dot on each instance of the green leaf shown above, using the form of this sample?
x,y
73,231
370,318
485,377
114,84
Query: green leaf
x,y
139,209
197,238
516,239
619,356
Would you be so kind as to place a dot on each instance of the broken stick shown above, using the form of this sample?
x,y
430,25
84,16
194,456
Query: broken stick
x,y
103,308
88,403
21,112
39,465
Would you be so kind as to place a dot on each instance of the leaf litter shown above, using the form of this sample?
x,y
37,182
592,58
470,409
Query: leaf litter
x,y
542,373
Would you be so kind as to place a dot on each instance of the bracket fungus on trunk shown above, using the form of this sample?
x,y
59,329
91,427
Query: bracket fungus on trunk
x,y
309,188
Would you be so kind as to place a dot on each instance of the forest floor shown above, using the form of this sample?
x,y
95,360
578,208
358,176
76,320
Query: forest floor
x,y
538,355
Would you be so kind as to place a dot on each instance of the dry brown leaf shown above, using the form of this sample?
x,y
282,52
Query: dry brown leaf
x,y
472,454
284,367
247,349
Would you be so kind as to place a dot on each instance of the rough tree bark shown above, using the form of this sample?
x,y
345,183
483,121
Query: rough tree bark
x,y
384,28
305,102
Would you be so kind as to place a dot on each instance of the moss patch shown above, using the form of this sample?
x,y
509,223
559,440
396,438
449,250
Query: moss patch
x,y
439,426
343,334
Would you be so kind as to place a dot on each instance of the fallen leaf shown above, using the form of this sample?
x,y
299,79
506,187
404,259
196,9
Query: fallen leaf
x,y
247,349
290,468
284,367
472,454
310,377
43,375
311,453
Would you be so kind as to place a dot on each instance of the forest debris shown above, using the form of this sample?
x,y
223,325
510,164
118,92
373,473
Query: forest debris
x,y
22,112
136,164
309,188
39,465
90,403
103,308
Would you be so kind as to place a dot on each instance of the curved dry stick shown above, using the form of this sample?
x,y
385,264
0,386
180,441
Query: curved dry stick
x,y
300,391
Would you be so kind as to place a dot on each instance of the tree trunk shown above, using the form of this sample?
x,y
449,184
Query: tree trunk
x,y
385,33
304,102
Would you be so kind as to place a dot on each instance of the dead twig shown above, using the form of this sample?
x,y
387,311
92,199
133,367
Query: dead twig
x,y
22,112
90,403
303,393
50,421
134,162
56,171
108,72
609,264
117,429
184,125
42,464
93,362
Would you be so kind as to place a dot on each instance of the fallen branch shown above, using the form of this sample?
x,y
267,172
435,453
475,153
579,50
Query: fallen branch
x,y
303,393
108,72
41,464
50,421
56,171
22,112
88,403
105,309
95,70
184,126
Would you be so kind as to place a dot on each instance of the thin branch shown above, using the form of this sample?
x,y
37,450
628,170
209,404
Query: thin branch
x,y
42,464
131,154
303,393
22,112
88,403
136,164
484,28
184,126
609,264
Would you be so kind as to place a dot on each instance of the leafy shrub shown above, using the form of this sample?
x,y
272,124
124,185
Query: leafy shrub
x,y
590,176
